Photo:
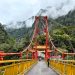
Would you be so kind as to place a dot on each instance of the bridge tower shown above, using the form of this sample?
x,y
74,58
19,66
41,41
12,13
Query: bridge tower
x,y
47,55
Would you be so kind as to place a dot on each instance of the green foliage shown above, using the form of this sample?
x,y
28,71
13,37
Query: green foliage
x,y
6,42
4,47
68,19
20,33
63,38
3,34
68,26
22,43
41,39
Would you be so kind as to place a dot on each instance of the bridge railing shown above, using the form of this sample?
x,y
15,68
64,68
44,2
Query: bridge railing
x,y
63,67
18,67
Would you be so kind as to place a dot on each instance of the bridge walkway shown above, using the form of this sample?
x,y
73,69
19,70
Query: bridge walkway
x,y
41,69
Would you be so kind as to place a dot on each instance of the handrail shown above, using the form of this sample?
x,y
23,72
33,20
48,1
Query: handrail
x,y
11,61
63,67
66,61
18,67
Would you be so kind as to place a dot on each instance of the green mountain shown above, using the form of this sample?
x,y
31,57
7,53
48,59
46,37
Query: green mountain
x,y
68,19
66,32
6,42
61,29
3,34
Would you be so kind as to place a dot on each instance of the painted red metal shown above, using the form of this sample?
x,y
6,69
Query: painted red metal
x,y
2,54
20,54
35,52
46,31
33,55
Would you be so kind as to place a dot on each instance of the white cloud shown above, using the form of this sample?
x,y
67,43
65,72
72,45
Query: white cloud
x,y
14,10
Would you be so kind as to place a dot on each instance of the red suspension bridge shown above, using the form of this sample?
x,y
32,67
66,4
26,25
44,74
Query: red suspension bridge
x,y
58,64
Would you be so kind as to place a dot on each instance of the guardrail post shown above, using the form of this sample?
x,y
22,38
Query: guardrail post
x,y
27,55
46,55
33,55
36,55
1,55
63,55
20,55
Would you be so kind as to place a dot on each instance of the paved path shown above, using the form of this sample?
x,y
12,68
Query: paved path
x,y
41,69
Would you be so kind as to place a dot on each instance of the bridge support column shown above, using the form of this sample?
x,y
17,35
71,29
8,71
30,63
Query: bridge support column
x,y
1,55
63,55
50,46
36,54
20,55
33,55
46,55
26,55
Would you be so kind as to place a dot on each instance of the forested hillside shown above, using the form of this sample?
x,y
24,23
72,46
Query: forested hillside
x,y
61,29
9,43
66,33
6,42
68,19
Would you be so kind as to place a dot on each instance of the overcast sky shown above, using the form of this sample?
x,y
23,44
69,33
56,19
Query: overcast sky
x,y
16,10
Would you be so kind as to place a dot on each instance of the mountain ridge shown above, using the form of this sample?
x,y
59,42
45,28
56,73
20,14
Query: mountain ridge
x,y
52,23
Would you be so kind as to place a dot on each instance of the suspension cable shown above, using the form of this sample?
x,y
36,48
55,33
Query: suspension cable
x,y
65,33
35,23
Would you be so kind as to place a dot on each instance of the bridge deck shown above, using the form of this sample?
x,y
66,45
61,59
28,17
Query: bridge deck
x,y
41,69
